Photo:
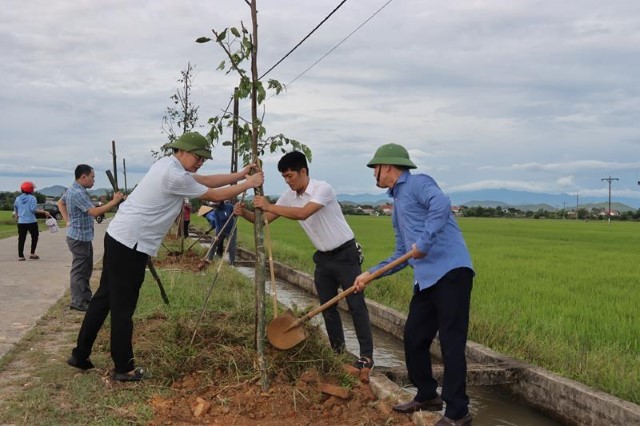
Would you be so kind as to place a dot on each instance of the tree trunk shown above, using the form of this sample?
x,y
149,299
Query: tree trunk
x,y
259,221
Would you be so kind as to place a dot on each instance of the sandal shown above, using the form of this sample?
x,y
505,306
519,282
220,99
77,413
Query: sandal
x,y
134,376
34,257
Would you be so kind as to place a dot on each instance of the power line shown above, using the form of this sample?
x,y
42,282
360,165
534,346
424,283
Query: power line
x,y
303,40
340,43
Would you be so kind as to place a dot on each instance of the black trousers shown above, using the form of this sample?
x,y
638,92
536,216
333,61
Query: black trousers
x,y
336,269
122,276
31,228
444,309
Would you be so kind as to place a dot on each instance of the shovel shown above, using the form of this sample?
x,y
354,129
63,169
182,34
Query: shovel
x,y
285,331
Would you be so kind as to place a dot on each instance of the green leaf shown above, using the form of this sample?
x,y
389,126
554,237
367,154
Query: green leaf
x,y
221,66
244,88
222,36
235,32
262,94
246,43
203,40
275,84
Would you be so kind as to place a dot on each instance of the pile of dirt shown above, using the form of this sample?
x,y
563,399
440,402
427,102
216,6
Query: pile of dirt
x,y
311,400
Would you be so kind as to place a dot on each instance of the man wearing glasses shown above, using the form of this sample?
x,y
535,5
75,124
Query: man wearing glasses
x,y
135,234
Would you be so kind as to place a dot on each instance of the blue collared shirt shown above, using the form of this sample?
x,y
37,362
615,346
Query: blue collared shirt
x,y
80,226
422,216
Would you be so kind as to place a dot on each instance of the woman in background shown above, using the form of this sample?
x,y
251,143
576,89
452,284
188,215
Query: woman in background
x,y
25,208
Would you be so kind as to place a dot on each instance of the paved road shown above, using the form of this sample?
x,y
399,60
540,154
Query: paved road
x,y
28,289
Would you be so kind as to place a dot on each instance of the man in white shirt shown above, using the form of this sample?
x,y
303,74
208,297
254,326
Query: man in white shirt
x,y
135,234
314,205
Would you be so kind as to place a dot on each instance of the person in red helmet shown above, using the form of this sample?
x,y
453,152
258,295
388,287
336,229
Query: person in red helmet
x,y
25,209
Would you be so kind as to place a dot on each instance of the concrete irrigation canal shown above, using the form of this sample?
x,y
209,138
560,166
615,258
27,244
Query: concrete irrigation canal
x,y
503,390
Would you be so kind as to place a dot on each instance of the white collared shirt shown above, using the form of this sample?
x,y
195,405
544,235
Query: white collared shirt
x,y
327,228
150,210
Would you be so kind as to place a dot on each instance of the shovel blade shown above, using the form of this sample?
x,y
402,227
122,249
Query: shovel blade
x,y
282,335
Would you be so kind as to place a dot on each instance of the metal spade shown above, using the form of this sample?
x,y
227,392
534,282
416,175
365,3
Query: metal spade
x,y
285,331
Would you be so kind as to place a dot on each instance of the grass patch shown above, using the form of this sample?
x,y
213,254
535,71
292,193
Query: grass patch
x,y
9,225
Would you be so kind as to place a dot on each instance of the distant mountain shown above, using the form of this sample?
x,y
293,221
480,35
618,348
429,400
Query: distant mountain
x,y
53,191
56,191
522,200
485,198
371,199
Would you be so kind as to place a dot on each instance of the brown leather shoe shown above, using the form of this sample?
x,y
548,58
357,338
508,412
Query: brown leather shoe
x,y
446,421
434,404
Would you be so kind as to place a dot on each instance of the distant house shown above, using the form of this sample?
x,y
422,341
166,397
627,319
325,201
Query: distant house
x,y
457,210
386,209
368,210
605,213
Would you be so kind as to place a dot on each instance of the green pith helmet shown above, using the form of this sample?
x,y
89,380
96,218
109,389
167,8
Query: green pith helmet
x,y
393,154
192,142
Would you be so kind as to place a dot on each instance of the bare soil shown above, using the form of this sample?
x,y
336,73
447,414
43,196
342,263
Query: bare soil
x,y
246,403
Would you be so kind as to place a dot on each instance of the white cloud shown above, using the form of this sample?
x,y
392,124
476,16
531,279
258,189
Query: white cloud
x,y
566,182
536,94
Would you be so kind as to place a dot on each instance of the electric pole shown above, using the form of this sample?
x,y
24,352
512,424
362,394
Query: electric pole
x,y
577,205
609,180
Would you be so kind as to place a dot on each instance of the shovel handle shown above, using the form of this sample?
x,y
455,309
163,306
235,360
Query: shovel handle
x,y
112,181
163,293
351,289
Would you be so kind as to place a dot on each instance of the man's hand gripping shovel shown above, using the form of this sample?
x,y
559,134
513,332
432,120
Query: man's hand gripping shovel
x,y
285,331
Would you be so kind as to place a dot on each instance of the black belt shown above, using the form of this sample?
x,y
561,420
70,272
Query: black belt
x,y
340,247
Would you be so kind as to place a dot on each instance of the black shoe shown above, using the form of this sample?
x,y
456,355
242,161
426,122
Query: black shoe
x,y
84,364
446,421
363,362
82,308
134,376
434,404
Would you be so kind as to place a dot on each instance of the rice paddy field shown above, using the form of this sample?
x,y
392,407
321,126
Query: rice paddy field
x,y
560,294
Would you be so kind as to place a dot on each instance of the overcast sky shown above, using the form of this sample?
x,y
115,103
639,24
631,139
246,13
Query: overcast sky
x,y
529,95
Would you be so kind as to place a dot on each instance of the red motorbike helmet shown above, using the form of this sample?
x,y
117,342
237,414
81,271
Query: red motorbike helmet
x,y
27,187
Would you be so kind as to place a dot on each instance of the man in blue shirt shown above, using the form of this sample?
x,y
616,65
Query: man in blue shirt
x,y
442,279
78,211
219,219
